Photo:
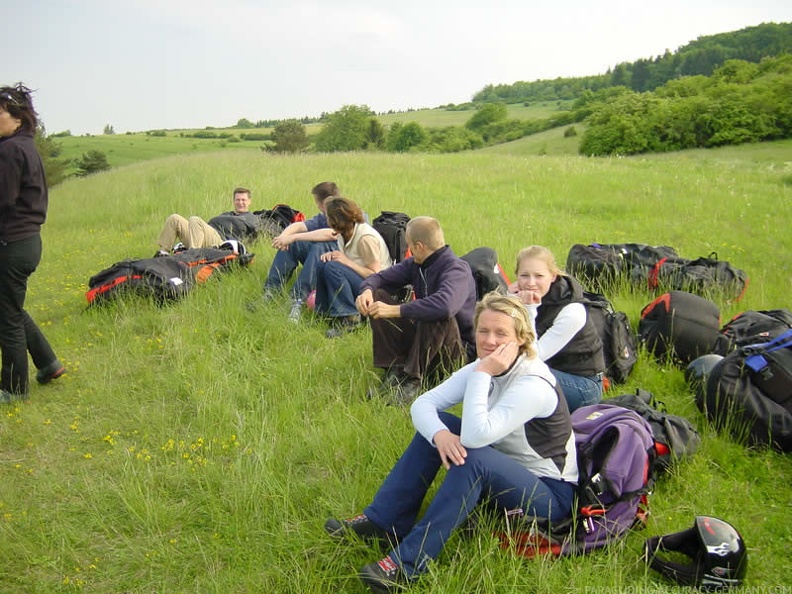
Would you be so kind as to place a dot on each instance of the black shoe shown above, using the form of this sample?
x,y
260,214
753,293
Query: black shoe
x,y
51,372
388,383
343,325
405,390
383,577
361,527
9,397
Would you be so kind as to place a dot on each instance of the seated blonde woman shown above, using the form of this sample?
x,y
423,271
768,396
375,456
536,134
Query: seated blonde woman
x,y
512,448
567,339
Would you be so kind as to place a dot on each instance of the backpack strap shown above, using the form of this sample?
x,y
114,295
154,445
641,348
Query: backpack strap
x,y
756,360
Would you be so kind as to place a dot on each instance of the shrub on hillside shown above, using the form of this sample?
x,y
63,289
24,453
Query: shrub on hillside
x,y
288,137
403,137
345,130
453,139
485,115
91,162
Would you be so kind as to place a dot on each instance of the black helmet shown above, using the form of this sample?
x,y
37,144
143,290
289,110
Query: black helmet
x,y
697,372
717,551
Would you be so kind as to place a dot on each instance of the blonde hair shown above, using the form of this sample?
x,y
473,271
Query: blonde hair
x,y
541,253
514,308
426,230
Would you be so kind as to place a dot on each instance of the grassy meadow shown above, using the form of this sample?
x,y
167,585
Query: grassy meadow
x,y
126,148
200,447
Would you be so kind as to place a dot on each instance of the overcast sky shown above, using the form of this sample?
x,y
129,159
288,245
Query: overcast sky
x,y
147,64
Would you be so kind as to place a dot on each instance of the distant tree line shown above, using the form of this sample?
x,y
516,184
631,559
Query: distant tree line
x,y
696,97
699,57
740,102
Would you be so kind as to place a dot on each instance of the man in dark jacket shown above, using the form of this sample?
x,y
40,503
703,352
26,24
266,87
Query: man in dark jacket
x,y
239,224
434,331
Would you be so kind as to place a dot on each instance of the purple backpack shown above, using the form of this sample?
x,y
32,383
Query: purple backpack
x,y
616,454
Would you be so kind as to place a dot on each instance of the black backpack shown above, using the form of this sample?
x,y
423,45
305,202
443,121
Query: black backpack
x,y
274,221
165,278
702,276
602,264
392,226
162,279
749,393
675,436
595,266
487,272
751,327
680,325
618,340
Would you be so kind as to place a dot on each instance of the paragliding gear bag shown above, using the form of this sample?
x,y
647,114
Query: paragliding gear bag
x,y
675,437
752,327
164,279
679,324
749,393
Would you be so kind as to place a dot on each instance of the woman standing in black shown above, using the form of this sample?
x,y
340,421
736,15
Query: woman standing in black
x,y
23,209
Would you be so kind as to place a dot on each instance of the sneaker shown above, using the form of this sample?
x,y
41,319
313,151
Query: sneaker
x,y
268,295
361,526
51,372
9,397
296,311
179,247
161,254
383,577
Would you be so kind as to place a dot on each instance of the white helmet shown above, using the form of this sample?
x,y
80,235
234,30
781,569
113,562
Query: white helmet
x,y
235,246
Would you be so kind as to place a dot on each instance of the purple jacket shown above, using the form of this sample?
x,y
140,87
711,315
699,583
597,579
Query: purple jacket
x,y
443,285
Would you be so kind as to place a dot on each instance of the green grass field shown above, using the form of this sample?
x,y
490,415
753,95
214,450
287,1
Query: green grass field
x,y
124,149
200,447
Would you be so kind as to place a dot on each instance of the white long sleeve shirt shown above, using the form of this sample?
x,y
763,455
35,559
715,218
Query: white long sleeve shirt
x,y
498,411
569,321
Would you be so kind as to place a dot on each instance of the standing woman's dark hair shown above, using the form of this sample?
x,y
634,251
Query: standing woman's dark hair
x,y
23,209
17,102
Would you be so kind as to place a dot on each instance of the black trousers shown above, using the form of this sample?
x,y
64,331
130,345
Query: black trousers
x,y
18,332
416,348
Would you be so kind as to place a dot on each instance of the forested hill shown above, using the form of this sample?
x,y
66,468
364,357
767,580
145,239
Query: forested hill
x,y
701,56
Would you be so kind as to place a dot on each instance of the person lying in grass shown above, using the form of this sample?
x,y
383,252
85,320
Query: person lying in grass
x,y
239,224
513,448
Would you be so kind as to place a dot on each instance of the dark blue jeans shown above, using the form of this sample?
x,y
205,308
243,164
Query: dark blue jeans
x,y
18,332
487,474
337,287
286,261
579,390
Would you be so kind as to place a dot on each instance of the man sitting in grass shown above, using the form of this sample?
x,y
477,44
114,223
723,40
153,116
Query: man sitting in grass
x,y
239,224
302,242
434,331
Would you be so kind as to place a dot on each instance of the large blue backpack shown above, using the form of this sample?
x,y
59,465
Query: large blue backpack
x,y
616,456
